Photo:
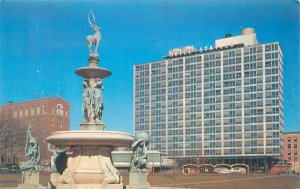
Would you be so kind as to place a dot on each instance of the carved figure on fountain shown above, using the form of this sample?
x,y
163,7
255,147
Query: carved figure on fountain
x,y
86,101
98,100
32,153
60,159
95,38
139,147
92,100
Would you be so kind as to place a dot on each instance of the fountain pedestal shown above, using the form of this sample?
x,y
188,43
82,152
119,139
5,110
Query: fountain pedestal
x,y
54,180
31,181
89,162
92,126
138,181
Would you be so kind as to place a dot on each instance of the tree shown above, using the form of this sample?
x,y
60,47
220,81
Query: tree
x,y
12,138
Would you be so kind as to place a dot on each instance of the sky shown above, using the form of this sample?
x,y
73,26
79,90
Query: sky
x,y
43,42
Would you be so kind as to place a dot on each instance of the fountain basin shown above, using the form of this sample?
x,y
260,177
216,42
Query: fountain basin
x,y
93,72
89,157
90,138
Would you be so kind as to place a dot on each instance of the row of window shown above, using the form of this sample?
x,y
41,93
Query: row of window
x,y
290,139
190,128
210,111
252,99
210,72
211,120
235,84
34,110
207,57
290,146
295,153
212,64
142,84
178,152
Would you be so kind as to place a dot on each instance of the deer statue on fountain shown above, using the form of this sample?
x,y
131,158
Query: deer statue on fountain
x,y
93,39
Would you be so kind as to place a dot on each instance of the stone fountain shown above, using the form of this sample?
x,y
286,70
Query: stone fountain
x,y
89,163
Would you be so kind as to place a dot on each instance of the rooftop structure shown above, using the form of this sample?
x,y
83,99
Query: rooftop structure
x,y
247,38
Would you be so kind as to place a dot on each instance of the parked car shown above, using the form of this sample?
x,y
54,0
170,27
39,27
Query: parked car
x,y
235,170
4,170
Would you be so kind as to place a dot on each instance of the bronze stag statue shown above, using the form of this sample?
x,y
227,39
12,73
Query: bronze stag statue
x,y
93,39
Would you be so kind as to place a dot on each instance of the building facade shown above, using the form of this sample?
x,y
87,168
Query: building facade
x,y
216,102
292,150
46,115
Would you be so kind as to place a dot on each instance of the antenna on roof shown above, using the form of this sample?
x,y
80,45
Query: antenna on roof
x,y
58,87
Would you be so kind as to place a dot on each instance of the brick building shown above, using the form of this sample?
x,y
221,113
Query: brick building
x,y
292,150
46,115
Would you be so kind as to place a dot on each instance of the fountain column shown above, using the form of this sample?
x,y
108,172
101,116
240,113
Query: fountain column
x,y
92,97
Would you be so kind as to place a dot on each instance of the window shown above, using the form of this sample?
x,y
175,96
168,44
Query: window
x,y
295,145
295,139
44,108
32,111
59,109
38,110
289,146
21,113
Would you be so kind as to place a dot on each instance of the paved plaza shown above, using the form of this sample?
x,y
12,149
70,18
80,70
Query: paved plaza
x,y
232,181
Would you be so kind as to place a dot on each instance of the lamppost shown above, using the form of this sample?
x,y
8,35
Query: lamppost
x,y
197,163
266,165
294,165
160,158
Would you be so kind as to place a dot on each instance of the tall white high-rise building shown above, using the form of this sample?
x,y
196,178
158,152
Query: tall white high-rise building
x,y
216,102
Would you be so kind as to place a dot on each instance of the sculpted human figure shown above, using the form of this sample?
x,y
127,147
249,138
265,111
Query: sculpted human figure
x,y
92,99
98,96
86,98
93,39
139,147
59,159
32,154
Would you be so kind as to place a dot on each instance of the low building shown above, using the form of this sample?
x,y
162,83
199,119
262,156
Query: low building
x,y
218,168
292,150
46,115
158,160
